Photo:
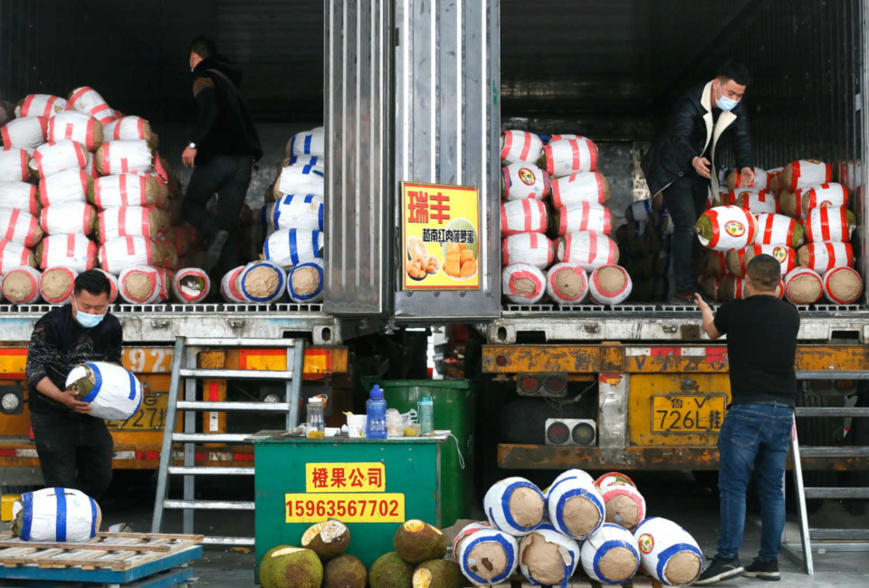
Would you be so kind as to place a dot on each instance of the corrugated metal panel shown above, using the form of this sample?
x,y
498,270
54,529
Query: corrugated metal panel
x,y
358,173
447,131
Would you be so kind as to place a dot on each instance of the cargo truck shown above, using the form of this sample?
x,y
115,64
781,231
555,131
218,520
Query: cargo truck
x,y
418,91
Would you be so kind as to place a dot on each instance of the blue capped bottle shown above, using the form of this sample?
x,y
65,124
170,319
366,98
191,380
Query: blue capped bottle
x,y
375,409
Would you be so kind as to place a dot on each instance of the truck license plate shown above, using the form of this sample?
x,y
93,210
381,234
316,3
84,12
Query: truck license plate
x,y
688,413
150,417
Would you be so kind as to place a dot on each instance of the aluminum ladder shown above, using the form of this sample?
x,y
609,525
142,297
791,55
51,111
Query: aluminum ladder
x,y
825,538
186,373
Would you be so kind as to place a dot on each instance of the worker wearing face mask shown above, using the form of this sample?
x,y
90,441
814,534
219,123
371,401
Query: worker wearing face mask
x,y
681,161
74,448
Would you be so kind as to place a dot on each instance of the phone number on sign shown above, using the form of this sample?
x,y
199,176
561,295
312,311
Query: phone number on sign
x,y
348,508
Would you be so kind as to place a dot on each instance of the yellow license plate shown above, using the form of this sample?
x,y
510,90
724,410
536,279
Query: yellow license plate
x,y
150,417
347,508
688,413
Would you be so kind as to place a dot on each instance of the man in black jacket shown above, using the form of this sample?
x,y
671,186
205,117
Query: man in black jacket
x,y
681,162
223,148
74,448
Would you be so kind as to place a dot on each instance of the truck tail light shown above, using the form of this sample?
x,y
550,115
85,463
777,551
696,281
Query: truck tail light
x,y
12,400
542,385
556,385
580,432
528,385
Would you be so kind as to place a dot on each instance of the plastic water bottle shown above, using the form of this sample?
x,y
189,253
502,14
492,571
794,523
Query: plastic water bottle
x,y
375,409
426,416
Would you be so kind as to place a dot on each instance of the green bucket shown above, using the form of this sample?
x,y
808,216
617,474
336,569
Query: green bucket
x,y
453,410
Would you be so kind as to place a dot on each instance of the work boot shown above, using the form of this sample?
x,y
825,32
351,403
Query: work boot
x,y
720,569
764,570
215,250
679,300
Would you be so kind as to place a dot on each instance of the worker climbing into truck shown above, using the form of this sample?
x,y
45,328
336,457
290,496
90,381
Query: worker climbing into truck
x,y
222,150
761,349
75,449
681,161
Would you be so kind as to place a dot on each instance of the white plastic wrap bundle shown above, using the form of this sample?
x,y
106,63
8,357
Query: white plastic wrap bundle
x,y
305,282
668,552
126,190
587,249
566,283
130,221
85,99
18,226
524,180
76,126
778,229
805,173
760,180
113,285
19,195
13,165
300,179
520,147
726,227
191,285
488,546
68,218
166,276
128,128
56,284
580,187
523,216
532,248
738,259
57,515
610,555
72,185
575,505
583,216
25,133
69,250
13,255
21,285
515,505
311,142
830,223
230,286
569,156
523,283
44,105
289,247
625,506
56,156
121,157
113,392
293,211
609,285
825,255
263,282
843,285
118,254
756,201
140,284
803,286
542,550
801,202
466,532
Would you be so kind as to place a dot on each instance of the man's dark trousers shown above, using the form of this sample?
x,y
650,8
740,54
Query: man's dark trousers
x,y
686,200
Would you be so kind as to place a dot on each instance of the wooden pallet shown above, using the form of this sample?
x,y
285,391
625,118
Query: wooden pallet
x,y
117,552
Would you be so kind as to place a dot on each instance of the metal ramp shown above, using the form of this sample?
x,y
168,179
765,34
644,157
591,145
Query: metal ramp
x,y
185,373
827,539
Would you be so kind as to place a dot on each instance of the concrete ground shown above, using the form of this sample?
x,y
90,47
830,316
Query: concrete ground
x,y
672,495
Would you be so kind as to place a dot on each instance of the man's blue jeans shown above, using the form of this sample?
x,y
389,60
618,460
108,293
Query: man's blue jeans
x,y
753,436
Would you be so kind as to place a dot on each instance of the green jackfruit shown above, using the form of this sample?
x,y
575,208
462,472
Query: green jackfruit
x,y
345,571
290,567
417,541
390,571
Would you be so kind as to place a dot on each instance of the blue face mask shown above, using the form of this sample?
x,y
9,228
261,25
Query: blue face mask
x,y
88,321
725,103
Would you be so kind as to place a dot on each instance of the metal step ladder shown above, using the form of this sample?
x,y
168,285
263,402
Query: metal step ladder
x,y
818,539
185,373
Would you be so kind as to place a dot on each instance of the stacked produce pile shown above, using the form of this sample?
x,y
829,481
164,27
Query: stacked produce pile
x,y
82,186
645,242
555,227
292,263
797,215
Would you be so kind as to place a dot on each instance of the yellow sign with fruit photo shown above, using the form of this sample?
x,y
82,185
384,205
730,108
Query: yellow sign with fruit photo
x,y
440,237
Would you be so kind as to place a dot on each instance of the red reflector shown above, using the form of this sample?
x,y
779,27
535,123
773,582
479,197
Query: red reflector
x,y
154,455
558,433
529,383
7,453
242,456
556,383
501,360
844,384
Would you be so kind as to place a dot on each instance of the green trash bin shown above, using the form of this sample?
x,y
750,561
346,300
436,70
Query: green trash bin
x,y
453,410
